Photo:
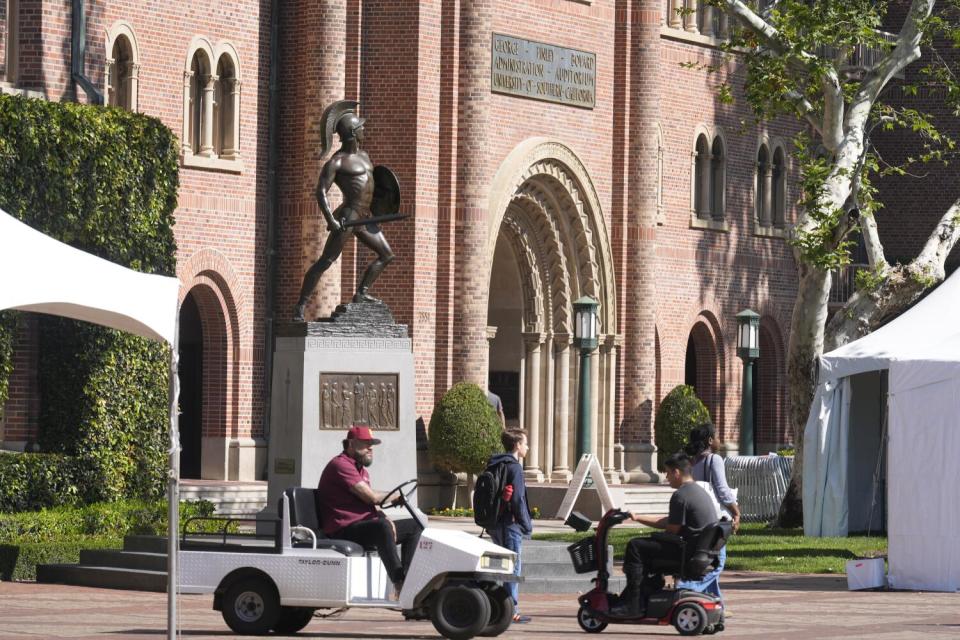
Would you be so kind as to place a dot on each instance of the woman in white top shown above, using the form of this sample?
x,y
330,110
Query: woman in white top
x,y
709,467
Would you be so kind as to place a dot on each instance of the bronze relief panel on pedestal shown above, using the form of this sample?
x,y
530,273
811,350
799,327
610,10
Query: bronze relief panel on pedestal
x,y
350,398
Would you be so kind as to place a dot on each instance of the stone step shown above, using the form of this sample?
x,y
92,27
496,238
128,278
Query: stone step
x,y
229,498
146,544
576,583
137,560
102,577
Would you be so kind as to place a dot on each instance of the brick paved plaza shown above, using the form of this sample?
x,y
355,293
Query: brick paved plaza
x,y
764,606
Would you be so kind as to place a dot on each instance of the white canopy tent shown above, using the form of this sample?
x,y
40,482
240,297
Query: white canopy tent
x,y
46,276
884,426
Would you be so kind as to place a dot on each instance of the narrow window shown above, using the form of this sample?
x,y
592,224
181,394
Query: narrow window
x,y
702,197
779,182
718,170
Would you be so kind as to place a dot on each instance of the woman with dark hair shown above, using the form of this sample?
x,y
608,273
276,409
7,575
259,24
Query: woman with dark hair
x,y
708,467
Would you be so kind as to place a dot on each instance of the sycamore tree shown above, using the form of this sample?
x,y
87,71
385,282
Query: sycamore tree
x,y
797,57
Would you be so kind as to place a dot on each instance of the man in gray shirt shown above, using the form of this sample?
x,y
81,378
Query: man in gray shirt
x,y
691,509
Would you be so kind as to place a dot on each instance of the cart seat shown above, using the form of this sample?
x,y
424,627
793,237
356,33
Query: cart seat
x,y
304,512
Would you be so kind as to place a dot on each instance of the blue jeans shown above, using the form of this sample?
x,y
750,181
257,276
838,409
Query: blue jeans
x,y
710,583
509,537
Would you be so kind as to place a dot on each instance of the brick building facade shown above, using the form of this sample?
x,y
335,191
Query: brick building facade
x,y
655,199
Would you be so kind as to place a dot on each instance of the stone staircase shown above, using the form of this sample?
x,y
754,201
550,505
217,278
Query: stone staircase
x,y
650,499
229,497
546,568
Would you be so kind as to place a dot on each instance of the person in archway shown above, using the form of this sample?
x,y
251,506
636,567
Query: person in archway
x,y
351,170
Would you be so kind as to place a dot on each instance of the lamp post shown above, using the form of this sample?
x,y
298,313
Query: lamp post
x,y
748,348
585,339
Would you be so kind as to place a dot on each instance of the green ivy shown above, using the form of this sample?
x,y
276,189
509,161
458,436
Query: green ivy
x,y
32,480
103,180
8,326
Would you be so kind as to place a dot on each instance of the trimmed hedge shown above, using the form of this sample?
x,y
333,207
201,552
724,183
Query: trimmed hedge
x,y
679,412
464,430
103,180
58,535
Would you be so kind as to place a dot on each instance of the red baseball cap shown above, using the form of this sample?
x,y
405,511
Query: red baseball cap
x,y
361,432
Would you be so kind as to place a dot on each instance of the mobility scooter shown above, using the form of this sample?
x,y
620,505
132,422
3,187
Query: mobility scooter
x,y
691,612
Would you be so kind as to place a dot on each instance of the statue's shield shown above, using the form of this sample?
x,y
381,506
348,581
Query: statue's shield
x,y
386,192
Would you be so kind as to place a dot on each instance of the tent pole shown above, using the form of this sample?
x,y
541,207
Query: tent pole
x,y
173,488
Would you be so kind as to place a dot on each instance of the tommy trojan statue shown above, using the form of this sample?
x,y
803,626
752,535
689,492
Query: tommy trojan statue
x,y
370,195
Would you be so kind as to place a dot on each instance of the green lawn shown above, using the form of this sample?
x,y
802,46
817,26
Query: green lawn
x,y
759,548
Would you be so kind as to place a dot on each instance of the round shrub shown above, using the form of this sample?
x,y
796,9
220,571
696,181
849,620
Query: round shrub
x,y
679,412
464,430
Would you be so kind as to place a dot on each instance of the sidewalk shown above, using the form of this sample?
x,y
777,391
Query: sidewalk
x,y
764,606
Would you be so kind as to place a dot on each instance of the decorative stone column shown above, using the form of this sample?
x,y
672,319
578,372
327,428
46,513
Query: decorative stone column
x,y
690,19
549,434
133,86
206,130
674,20
707,19
231,145
766,206
533,384
186,144
596,427
561,443
608,349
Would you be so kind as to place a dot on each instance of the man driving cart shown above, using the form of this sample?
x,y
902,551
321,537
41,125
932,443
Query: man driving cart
x,y
349,505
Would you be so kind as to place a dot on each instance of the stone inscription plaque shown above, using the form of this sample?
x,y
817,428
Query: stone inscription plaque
x,y
541,71
348,398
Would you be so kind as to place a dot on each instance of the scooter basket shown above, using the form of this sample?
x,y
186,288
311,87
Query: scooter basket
x,y
583,555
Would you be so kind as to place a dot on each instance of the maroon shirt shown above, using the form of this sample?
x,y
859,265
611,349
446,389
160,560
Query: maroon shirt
x,y
338,504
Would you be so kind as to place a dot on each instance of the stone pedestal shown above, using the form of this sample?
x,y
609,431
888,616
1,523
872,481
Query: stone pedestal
x,y
356,366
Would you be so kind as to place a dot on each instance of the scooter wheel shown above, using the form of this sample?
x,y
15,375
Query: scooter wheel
x,y
690,619
588,622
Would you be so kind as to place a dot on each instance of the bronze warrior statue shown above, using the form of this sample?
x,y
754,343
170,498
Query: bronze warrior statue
x,y
367,191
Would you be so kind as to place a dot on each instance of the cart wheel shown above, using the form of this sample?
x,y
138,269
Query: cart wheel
x,y
690,619
460,612
588,623
251,607
710,630
501,612
293,619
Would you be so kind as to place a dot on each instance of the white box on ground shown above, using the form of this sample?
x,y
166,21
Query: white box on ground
x,y
865,573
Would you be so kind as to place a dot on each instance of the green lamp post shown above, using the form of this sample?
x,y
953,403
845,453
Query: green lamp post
x,y
585,339
748,349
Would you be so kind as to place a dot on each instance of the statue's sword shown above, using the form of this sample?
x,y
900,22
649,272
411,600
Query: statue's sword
x,y
390,217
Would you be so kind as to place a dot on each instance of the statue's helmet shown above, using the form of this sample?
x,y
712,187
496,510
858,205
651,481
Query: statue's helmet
x,y
341,116
347,125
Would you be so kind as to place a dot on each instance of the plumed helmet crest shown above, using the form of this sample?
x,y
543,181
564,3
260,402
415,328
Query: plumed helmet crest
x,y
331,116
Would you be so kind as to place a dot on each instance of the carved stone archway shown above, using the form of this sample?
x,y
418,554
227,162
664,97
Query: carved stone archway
x,y
544,207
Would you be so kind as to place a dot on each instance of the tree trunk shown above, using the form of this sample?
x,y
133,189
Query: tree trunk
x,y
806,345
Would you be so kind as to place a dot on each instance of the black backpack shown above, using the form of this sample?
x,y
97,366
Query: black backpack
x,y
487,494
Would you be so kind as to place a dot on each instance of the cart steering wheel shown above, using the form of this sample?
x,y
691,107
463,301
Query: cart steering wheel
x,y
403,495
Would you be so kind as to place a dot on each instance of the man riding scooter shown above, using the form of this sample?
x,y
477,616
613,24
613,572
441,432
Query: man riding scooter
x,y
691,509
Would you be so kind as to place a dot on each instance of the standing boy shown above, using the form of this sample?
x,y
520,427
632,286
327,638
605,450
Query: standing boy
x,y
514,521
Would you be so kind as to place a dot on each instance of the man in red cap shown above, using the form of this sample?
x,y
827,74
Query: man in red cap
x,y
348,505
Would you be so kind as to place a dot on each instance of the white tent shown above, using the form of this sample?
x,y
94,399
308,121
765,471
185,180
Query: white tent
x,y
884,430
44,275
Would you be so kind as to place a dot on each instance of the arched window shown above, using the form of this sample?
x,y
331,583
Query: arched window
x,y
201,105
718,178
9,71
211,107
702,199
122,72
226,101
779,195
763,187
120,64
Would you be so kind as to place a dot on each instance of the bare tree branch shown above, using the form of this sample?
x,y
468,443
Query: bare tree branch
x,y
941,241
871,241
807,110
906,51
833,111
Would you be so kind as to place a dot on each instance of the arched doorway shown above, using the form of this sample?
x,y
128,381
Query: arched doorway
x,y
190,369
548,247
701,369
769,432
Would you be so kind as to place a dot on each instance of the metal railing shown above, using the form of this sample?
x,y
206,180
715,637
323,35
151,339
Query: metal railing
x,y
761,482
843,283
